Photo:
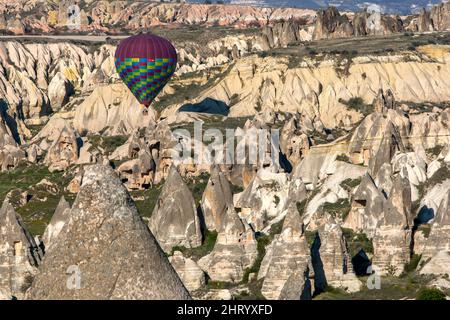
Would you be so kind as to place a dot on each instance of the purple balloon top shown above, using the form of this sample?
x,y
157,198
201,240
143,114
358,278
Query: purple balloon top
x,y
147,46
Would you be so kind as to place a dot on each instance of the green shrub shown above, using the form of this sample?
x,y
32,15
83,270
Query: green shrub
x,y
198,185
263,242
218,285
391,270
357,103
425,229
343,157
431,294
357,241
350,184
413,263
236,189
201,251
338,209
277,200
436,150
301,207
310,237
147,205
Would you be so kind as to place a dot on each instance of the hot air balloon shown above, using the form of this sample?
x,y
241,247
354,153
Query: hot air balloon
x,y
145,63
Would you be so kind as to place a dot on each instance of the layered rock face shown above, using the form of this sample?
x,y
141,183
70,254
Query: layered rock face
x,y
174,221
105,251
268,85
217,197
330,259
235,250
19,255
392,240
100,16
37,71
288,259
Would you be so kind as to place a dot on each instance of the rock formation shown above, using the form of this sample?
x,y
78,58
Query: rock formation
x,y
98,16
330,259
283,34
111,109
190,273
138,174
289,257
234,251
367,207
267,198
59,91
10,153
439,264
438,239
105,251
440,15
391,143
294,143
174,221
330,24
364,145
332,185
217,197
272,82
392,240
438,19
64,151
424,23
19,254
59,219
378,137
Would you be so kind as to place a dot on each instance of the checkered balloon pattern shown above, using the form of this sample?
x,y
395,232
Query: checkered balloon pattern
x,y
145,77
145,62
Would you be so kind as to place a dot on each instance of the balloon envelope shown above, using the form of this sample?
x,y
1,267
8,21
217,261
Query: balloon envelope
x,y
145,63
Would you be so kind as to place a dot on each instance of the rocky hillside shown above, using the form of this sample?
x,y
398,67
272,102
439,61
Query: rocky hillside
x,y
95,205
46,16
